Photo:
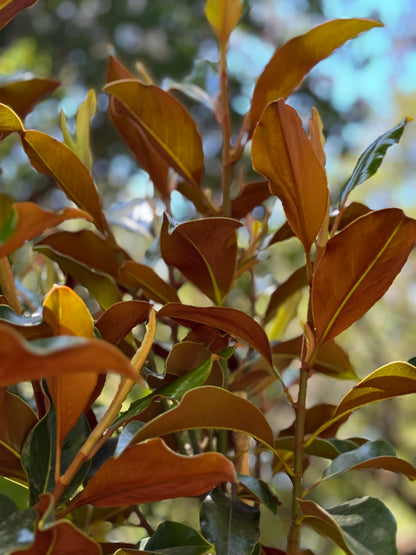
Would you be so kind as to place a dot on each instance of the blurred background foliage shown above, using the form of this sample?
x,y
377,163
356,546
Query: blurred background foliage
x,y
362,90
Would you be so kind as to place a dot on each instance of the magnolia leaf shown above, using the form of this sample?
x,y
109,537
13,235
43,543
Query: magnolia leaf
x,y
251,196
50,157
17,418
317,136
39,455
17,532
9,8
372,454
232,321
360,527
121,318
165,123
101,286
42,358
325,448
87,248
260,490
9,120
223,16
32,220
205,252
292,61
67,314
173,390
8,218
292,285
330,360
283,153
228,523
357,268
23,95
372,158
151,472
210,407
85,112
177,539
140,276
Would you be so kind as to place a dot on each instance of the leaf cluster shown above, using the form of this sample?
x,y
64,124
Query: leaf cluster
x,y
187,416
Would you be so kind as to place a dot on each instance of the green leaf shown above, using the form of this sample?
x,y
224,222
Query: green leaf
x,y
260,490
372,454
372,158
173,390
18,531
175,538
231,525
8,218
38,455
360,526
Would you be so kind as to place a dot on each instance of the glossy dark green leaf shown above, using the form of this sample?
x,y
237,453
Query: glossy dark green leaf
x,y
228,523
38,455
325,448
372,454
174,390
260,491
363,526
372,158
174,538
17,532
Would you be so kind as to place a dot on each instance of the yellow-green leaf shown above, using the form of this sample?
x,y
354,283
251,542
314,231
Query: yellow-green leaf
x,y
223,16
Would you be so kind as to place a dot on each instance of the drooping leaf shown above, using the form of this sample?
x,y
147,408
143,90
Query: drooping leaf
x,y
39,455
165,123
32,220
251,196
42,358
9,8
23,95
283,153
372,158
210,407
17,532
175,538
360,527
330,360
121,318
204,251
372,454
229,320
357,268
223,16
151,472
292,285
50,157
292,61
140,276
259,490
86,247
229,524
100,285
